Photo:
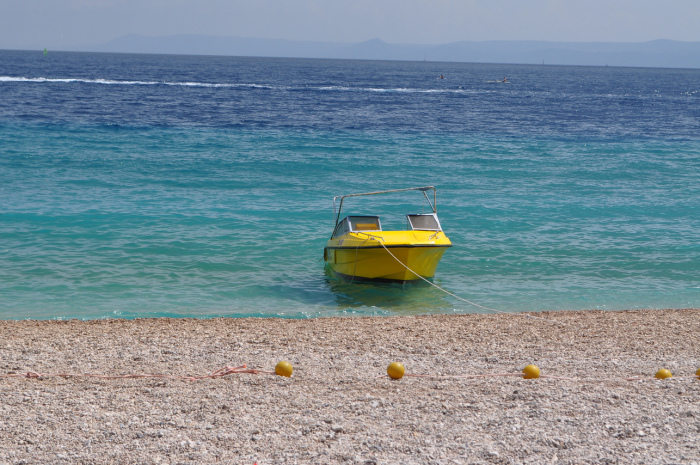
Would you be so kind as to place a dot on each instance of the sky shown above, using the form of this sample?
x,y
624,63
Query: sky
x,y
66,24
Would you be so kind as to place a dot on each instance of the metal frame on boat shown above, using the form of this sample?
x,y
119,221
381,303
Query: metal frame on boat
x,y
359,250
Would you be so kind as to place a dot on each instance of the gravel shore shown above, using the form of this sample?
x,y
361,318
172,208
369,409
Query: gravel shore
x,y
339,406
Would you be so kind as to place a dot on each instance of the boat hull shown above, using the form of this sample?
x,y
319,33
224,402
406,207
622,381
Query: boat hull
x,y
359,258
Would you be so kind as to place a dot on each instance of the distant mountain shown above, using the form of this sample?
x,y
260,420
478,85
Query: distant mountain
x,y
657,53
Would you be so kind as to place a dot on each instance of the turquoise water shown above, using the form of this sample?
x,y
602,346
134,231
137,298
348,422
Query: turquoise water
x,y
213,197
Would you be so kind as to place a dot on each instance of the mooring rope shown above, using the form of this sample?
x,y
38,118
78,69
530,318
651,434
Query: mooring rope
x,y
456,296
357,249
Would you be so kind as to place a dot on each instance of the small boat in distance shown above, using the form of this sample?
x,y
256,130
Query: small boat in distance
x,y
359,250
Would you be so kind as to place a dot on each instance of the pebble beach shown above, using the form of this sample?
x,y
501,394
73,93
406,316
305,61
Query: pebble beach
x,y
339,406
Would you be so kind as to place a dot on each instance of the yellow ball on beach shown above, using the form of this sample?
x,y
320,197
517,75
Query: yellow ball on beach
x,y
531,372
284,369
663,374
395,370
697,373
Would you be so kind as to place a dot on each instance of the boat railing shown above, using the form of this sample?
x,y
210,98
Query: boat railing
x,y
425,189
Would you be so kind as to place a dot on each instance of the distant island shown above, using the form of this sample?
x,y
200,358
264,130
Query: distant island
x,y
657,53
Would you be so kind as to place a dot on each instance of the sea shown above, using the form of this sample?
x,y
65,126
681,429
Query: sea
x,y
136,185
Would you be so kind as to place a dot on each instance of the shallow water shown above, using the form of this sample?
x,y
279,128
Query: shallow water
x,y
137,185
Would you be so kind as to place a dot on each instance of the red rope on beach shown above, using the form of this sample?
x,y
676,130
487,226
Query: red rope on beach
x,y
522,375
495,375
225,371
463,376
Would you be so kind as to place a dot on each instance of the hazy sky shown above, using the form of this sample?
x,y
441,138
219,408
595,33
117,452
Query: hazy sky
x,y
61,24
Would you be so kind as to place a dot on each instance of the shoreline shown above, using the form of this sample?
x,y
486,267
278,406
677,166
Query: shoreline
x,y
339,406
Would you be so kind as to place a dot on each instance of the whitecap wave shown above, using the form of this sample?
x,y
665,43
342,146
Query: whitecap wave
x,y
123,83
232,85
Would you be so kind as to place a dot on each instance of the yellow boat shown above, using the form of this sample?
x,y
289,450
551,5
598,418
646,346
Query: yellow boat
x,y
359,250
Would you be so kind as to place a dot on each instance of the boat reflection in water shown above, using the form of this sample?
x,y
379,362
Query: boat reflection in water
x,y
384,299
360,251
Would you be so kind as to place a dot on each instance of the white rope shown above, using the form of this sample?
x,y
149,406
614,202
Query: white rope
x,y
456,296
357,249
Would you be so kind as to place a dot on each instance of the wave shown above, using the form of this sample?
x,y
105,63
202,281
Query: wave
x,y
40,80
406,90
124,83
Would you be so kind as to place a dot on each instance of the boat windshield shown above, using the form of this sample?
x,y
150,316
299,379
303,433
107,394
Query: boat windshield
x,y
357,223
423,222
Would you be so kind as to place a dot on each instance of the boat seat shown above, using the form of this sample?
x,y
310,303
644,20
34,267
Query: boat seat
x,y
364,223
357,223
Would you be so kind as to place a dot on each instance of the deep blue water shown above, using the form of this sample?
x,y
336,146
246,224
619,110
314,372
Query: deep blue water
x,y
145,185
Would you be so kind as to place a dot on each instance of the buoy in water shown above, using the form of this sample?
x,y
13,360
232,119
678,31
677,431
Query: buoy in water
x,y
395,370
284,369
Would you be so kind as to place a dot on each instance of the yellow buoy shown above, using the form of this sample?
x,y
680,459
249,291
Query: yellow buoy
x,y
663,374
284,369
697,373
531,372
395,370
